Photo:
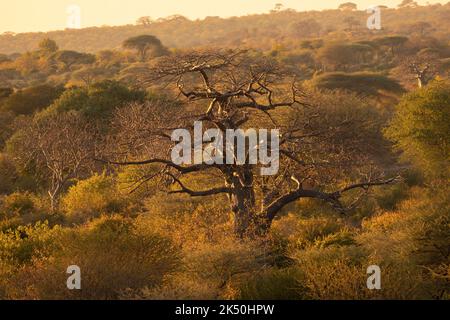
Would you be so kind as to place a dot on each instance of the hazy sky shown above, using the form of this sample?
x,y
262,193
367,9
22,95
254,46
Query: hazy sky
x,y
45,15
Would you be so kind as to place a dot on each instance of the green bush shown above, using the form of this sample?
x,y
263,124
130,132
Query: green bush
x,y
420,128
91,197
20,245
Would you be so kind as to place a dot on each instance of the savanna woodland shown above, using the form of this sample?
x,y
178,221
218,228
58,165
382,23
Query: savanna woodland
x,y
87,178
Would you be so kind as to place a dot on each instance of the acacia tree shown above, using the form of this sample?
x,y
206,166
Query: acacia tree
x,y
144,45
319,144
348,6
68,58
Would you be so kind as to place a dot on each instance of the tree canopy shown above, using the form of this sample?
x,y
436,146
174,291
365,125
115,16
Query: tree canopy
x,y
421,128
146,46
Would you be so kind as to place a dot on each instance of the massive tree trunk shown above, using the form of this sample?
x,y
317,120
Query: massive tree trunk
x,y
242,199
243,207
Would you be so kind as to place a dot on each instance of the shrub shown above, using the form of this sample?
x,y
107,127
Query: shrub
x,y
8,174
420,128
21,245
112,256
278,284
302,232
91,197
17,204
342,238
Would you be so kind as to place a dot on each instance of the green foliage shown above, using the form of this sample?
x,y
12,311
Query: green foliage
x,y
360,82
98,100
415,236
48,46
391,41
91,197
19,246
343,55
113,258
145,45
421,128
30,100
68,58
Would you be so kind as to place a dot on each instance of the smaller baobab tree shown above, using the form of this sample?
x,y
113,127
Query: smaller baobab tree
x,y
145,45
55,148
421,68
321,144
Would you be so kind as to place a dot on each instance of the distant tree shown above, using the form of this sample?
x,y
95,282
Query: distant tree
x,y
421,27
89,74
98,100
48,46
305,28
408,4
277,8
421,128
348,6
32,99
365,83
340,56
176,17
351,22
27,63
110,58
394,43
4,58
69,58
144,21
145,45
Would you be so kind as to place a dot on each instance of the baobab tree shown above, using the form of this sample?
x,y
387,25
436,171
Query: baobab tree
x,y
421,68
320,145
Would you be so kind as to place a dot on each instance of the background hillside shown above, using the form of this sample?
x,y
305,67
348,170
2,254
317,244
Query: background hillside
x,y
260,31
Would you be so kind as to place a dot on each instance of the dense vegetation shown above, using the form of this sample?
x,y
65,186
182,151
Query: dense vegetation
x,y
365,119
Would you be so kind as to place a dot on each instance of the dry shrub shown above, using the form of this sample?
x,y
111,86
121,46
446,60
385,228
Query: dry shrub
x,y
113,257
187,222
274,283
303,232
212,271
